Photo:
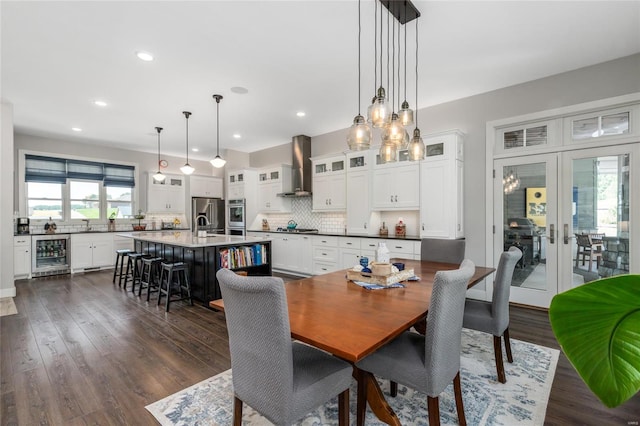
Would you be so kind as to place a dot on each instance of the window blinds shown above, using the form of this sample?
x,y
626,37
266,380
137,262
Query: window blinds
x,y
58,170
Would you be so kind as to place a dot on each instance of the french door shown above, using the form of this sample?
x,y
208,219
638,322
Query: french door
x,y
572,214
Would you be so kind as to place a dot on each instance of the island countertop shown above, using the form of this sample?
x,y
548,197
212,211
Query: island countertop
x,y
190,239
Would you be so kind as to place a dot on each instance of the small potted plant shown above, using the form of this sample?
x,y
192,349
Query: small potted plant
x,y
139,226
112,221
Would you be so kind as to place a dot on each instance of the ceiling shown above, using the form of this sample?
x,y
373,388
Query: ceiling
x,y
59,57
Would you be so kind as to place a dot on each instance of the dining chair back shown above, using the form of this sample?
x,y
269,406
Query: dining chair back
x,y
441,250
428,363
493,317
279,378
588,247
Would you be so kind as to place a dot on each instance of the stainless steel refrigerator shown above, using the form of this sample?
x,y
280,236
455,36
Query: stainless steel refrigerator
x,y
208,215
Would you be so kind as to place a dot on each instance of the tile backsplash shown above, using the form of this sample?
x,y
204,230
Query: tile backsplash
x,y
302,214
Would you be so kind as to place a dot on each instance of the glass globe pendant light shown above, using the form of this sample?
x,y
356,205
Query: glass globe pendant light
x,y
394,132
359,136
218,161
388,153
405,114
159,176
416,147
187,169
379,113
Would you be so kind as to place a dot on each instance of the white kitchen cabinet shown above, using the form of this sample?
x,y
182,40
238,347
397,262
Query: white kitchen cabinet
x,y
167,196
290,252
441,194
396,186
241,184
325,254
22,256
358,183
271,182
91,251
329,184
205,186
349,251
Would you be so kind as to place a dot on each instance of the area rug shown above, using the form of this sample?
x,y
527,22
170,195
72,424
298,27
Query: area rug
x,y
522,400
7,306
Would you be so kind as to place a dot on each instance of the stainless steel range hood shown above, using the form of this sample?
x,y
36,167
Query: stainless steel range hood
x,y
300,168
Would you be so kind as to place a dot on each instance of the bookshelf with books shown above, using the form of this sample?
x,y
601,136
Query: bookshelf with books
x,y
204,256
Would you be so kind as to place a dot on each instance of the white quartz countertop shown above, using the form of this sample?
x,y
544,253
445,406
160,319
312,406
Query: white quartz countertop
x,y
190,239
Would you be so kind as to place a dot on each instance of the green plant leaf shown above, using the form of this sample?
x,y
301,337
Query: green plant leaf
x,y
598,328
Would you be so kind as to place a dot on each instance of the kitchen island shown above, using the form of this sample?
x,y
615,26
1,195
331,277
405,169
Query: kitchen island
x,y
205,255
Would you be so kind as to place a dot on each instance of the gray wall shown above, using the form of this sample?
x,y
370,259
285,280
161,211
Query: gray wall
x,y
7,289
146,161
470,115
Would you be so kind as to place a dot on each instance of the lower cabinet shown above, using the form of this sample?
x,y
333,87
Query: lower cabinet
x,y
22,257
91,251
291,252
325,254
321,254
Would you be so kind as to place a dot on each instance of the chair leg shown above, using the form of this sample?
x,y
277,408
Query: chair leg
x,y
497,349
343,408
393,388
457,390
507,345
237,411
434,411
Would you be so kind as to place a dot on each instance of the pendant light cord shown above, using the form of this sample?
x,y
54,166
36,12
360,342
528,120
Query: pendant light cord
x,y
393,68
187,114
405,54
375,45
158,129
388,14
359,33
416,112
217,127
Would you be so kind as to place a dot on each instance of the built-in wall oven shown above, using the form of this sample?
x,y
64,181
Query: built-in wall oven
x,y
236,218
51,254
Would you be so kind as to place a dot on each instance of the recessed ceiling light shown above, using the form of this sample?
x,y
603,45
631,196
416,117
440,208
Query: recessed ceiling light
x,y
144,56
301,113
195,149
100,103
76,129
240,90
237,135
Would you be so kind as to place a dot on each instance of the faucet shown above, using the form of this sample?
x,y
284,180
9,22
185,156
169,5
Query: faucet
x,y
87,227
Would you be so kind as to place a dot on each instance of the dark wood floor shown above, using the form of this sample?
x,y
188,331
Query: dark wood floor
x,y
82,351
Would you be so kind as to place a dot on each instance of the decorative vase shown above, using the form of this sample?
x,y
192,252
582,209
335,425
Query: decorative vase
x,y
382,253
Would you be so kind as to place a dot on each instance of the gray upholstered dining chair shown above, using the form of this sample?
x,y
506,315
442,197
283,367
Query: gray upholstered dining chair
x,y
428,363
441,250
493,317
279,378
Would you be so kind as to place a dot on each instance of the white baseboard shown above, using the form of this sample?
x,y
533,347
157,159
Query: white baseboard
x,y
8,292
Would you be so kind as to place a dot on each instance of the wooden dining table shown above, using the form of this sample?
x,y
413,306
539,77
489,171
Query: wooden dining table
x,y
334,314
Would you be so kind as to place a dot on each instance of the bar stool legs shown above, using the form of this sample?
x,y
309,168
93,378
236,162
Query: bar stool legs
x,y
174,278
117,271
132,272
149,275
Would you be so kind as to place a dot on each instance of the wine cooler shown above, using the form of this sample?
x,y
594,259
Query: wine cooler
x,y
51,254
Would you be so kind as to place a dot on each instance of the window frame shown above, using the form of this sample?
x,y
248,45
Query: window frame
x,y
23,209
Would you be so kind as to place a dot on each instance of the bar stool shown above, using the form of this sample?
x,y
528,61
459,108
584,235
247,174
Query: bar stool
x,y
149,275
133,270
120,255
174,278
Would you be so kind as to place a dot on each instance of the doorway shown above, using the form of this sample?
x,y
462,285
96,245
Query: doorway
x,y
570,214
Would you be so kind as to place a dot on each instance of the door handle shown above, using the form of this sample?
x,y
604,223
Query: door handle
x,y
566,233
552,231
